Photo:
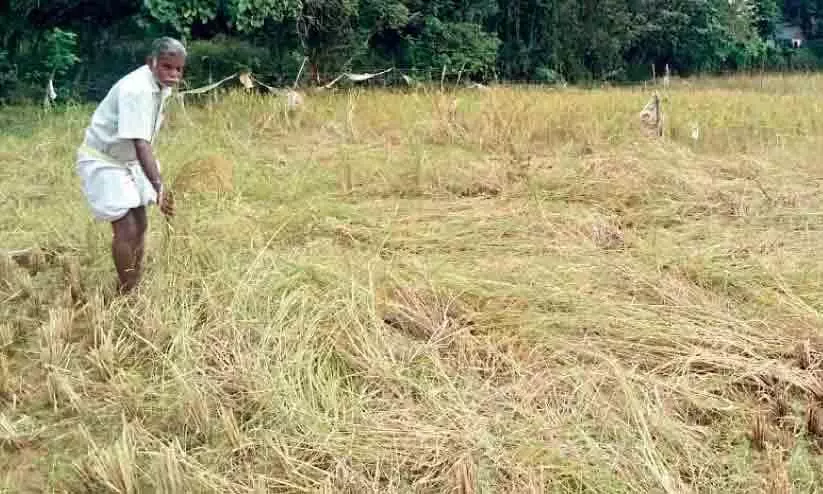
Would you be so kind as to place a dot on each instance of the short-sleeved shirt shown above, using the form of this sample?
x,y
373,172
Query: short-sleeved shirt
x,y
132,109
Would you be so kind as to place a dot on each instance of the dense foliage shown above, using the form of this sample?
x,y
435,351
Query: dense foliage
x,y
87,44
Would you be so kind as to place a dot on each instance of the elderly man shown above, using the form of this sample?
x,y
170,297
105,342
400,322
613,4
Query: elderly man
x,y
116,163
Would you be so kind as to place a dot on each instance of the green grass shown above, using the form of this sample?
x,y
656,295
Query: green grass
x,y
516,292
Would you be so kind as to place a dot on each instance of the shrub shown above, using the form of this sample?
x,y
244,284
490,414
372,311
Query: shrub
x,y
221,57
8,77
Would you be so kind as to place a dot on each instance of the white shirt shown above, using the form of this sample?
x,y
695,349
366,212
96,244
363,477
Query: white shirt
x,y
132,109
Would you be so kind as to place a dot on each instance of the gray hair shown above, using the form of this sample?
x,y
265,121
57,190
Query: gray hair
x,y
167,46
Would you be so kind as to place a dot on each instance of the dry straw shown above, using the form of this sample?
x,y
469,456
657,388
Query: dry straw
x,y
210,174
651,117
514,295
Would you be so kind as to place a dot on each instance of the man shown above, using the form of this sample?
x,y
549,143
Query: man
x,y
116,163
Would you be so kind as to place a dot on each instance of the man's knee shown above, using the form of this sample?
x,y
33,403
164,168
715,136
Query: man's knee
x,y
142,221
127,232
128,229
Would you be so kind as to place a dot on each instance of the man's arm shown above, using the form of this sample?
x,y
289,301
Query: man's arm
x,y
136,123
146,157
149,164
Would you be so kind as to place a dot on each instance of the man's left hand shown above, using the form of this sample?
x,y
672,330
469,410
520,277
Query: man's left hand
x,y
165,200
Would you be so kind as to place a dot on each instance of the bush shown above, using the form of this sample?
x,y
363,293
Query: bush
x,y
815,46
109,64
547,75
803,59
8,77
216,58
456,45
222,57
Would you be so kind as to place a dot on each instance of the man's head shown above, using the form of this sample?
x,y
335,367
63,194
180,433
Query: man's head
x,y
166,61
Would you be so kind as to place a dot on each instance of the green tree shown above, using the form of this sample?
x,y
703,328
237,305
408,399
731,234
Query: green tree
x,y
768,16
240,15
456,45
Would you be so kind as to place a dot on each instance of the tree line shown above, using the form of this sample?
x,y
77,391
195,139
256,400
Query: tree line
x,y
85,45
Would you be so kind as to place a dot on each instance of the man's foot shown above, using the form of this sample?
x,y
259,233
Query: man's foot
x,y
124,289
115,293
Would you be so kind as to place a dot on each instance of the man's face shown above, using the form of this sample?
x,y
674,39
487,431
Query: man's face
x,y
168,69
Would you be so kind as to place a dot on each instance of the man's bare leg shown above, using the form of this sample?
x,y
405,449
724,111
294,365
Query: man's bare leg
x,y
127,248
142,225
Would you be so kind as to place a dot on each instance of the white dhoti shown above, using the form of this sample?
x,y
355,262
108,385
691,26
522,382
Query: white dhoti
x,y
112,188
